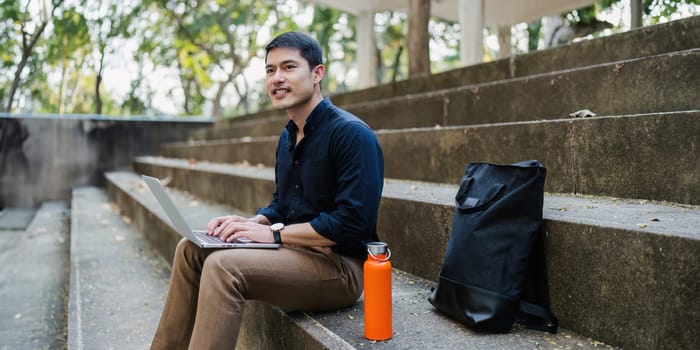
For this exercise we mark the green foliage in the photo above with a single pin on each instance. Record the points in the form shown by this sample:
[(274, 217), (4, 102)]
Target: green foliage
[(208, 44), (657, 9), (533, 34)]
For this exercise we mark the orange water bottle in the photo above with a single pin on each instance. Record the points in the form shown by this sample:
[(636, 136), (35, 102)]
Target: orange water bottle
[(377, 281)]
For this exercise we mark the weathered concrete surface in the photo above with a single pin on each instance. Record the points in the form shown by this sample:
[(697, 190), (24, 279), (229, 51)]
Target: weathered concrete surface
[(245, 188), (416, 324), (646, 85), (589, 270), (269, 124), (66, 152), (652, 84), (247, 150), (34, 281), (118, 283), (646, 41), (653, 40), (650, 156), (16, 219)]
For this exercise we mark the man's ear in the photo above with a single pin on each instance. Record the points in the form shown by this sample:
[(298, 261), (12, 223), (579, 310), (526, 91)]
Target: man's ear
[(318, 73)]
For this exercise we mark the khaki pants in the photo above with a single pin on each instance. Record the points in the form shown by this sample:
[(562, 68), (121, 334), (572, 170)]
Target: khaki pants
[(208, 289)]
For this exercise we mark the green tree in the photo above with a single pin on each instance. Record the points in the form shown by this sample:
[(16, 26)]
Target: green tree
[(214, 42), (29, 21)]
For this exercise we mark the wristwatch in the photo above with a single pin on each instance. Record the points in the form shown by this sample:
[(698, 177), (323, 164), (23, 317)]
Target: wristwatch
[(276, 228)]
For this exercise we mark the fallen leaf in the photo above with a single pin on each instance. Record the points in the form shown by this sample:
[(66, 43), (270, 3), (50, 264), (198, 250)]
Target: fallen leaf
[(653, 219), (642, 225), (584, 113)]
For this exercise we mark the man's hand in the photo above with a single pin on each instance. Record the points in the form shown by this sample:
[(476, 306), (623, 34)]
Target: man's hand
[(217, 224), (248, 229), (232, 227)]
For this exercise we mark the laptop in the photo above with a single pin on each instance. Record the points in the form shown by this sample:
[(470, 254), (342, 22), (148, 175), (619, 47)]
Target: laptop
[(198, 237)]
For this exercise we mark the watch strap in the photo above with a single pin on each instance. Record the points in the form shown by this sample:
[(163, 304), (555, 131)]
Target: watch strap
[(277, 236)]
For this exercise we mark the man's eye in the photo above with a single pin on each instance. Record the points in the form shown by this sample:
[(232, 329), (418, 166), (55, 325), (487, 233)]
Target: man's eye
[(290, 66)]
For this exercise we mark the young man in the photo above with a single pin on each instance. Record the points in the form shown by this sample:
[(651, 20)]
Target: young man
[(329, 175)]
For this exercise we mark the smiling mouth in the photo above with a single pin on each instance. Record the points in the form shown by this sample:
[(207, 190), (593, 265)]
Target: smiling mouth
[(279, 91)]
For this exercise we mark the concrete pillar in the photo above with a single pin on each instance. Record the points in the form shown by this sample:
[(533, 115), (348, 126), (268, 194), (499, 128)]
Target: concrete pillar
[(504, 49), (635, 13), (471, 21), (366, 47)]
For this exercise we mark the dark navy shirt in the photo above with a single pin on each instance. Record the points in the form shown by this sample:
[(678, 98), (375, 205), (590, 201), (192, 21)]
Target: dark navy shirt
[(333, 179)]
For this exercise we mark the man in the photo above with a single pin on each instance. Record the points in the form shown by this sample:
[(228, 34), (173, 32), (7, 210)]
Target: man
[(329, 176)]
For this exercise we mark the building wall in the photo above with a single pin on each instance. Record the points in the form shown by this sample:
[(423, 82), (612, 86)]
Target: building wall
[(62, 153)]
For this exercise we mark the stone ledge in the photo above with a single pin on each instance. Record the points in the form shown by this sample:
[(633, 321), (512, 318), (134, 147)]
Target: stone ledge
[(34, 278), (118, 283), (645, 156), (596, 237), (646, 41), (416, 324)]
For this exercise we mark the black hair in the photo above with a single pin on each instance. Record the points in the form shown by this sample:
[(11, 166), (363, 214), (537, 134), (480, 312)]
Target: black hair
[(308, 47)]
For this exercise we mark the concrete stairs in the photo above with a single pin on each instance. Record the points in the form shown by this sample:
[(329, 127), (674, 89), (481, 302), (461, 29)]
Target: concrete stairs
[(34, 278), (117, 282), (621, 210), (643, 42), (417, 326)]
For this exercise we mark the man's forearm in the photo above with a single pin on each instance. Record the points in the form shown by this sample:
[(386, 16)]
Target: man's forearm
[(304, 235)]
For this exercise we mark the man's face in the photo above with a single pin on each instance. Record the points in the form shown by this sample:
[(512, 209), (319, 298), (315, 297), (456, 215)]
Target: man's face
[(289, 80)]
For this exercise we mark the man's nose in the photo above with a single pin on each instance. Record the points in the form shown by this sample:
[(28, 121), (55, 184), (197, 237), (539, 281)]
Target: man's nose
[(278, 76)]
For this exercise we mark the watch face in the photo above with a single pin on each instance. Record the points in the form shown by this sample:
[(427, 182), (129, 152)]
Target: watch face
[(276, 227)]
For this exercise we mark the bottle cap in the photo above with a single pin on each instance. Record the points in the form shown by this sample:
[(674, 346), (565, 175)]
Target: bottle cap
[(377, 248)]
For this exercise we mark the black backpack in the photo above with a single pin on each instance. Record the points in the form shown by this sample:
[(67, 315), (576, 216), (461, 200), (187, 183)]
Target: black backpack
[(494, 270)]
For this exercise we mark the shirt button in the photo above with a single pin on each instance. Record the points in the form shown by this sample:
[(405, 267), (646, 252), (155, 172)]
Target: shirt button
[(296, 187), (296, 162), (292, 211)]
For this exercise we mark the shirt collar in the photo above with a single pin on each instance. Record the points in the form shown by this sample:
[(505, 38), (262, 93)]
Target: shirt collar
[(315, 118)]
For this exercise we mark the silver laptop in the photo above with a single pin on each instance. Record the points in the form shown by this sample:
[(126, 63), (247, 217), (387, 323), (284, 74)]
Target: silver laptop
[(198, 237)]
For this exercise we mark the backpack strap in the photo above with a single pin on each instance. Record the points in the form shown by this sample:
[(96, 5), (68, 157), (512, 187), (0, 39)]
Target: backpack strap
[(535, 312), (538, 318)]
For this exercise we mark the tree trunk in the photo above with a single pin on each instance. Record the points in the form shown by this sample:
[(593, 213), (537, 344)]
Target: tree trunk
[(98, 81), (418, 39), (217, 109), (98, 98)]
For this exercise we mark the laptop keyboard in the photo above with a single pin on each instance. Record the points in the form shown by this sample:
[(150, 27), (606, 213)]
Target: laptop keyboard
[(207, 238)]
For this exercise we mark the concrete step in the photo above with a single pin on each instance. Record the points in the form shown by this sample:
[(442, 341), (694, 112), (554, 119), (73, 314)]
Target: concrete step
[(652, 84), (646, 41), (647, 156), (416, 324), (609, 258), (34, 279), (662, 83), (117, 282)]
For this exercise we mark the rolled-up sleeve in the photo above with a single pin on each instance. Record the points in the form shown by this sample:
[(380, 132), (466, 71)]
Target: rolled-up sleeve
[(359, 180)]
